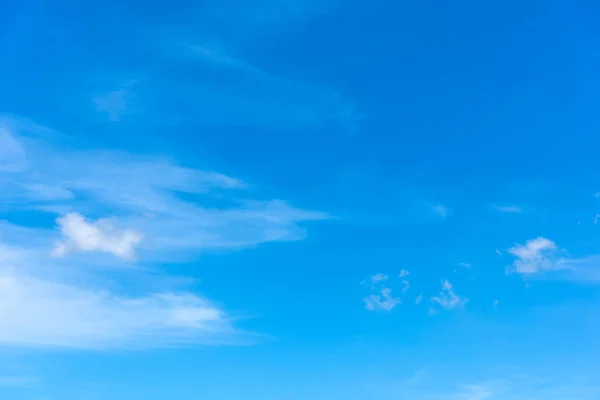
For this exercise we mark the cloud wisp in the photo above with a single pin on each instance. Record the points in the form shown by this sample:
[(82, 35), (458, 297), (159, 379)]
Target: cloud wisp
[(113, 209), (508, 209), (41, 312), (241, 94), (177, 210)]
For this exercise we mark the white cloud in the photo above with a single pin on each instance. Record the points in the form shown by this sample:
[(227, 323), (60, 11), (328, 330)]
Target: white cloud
[(155, 197), (464, 264), (43, 313), (534, 256), (419, 299), (384, 302), (508, 209), (63, 302), (378, 278), (447, 298), (596, 218), (404, 273), (406, 286), (495, 304), (46, 303), (102, 235)]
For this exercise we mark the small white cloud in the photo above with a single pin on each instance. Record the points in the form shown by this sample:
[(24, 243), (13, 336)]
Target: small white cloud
[(385, 302), (447, 298), (498, 252), (597, 194), (464, 264), (83, 236), (495, 304), (508, 209), (432, 311), (404, 273), (419, 299), (378, 278), (596, 218), (534, 256), (406, 286)]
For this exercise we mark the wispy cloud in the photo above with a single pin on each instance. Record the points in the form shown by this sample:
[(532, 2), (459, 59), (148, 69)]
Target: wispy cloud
[(475, 392), (440, 210), (12, 154), (511, 209), (405, 286), (146, 195), (404, 273), (447, 298), (37, 312), (464, 265), (178, 211), (419, 299), (240, 94)]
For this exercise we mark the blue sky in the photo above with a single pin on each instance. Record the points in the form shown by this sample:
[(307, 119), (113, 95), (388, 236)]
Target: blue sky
[(293, 199)]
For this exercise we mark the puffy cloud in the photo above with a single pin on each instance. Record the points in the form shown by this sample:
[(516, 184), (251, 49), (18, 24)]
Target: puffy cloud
[(534, 256), (102, 235)]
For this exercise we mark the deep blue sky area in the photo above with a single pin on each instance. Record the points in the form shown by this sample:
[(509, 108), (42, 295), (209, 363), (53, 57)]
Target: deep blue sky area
[(299, 199)]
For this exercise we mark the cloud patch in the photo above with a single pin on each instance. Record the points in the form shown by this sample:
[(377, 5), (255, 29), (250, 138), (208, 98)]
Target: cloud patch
[(102, 235), (447, 299), (382, 301), (535, 256)]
